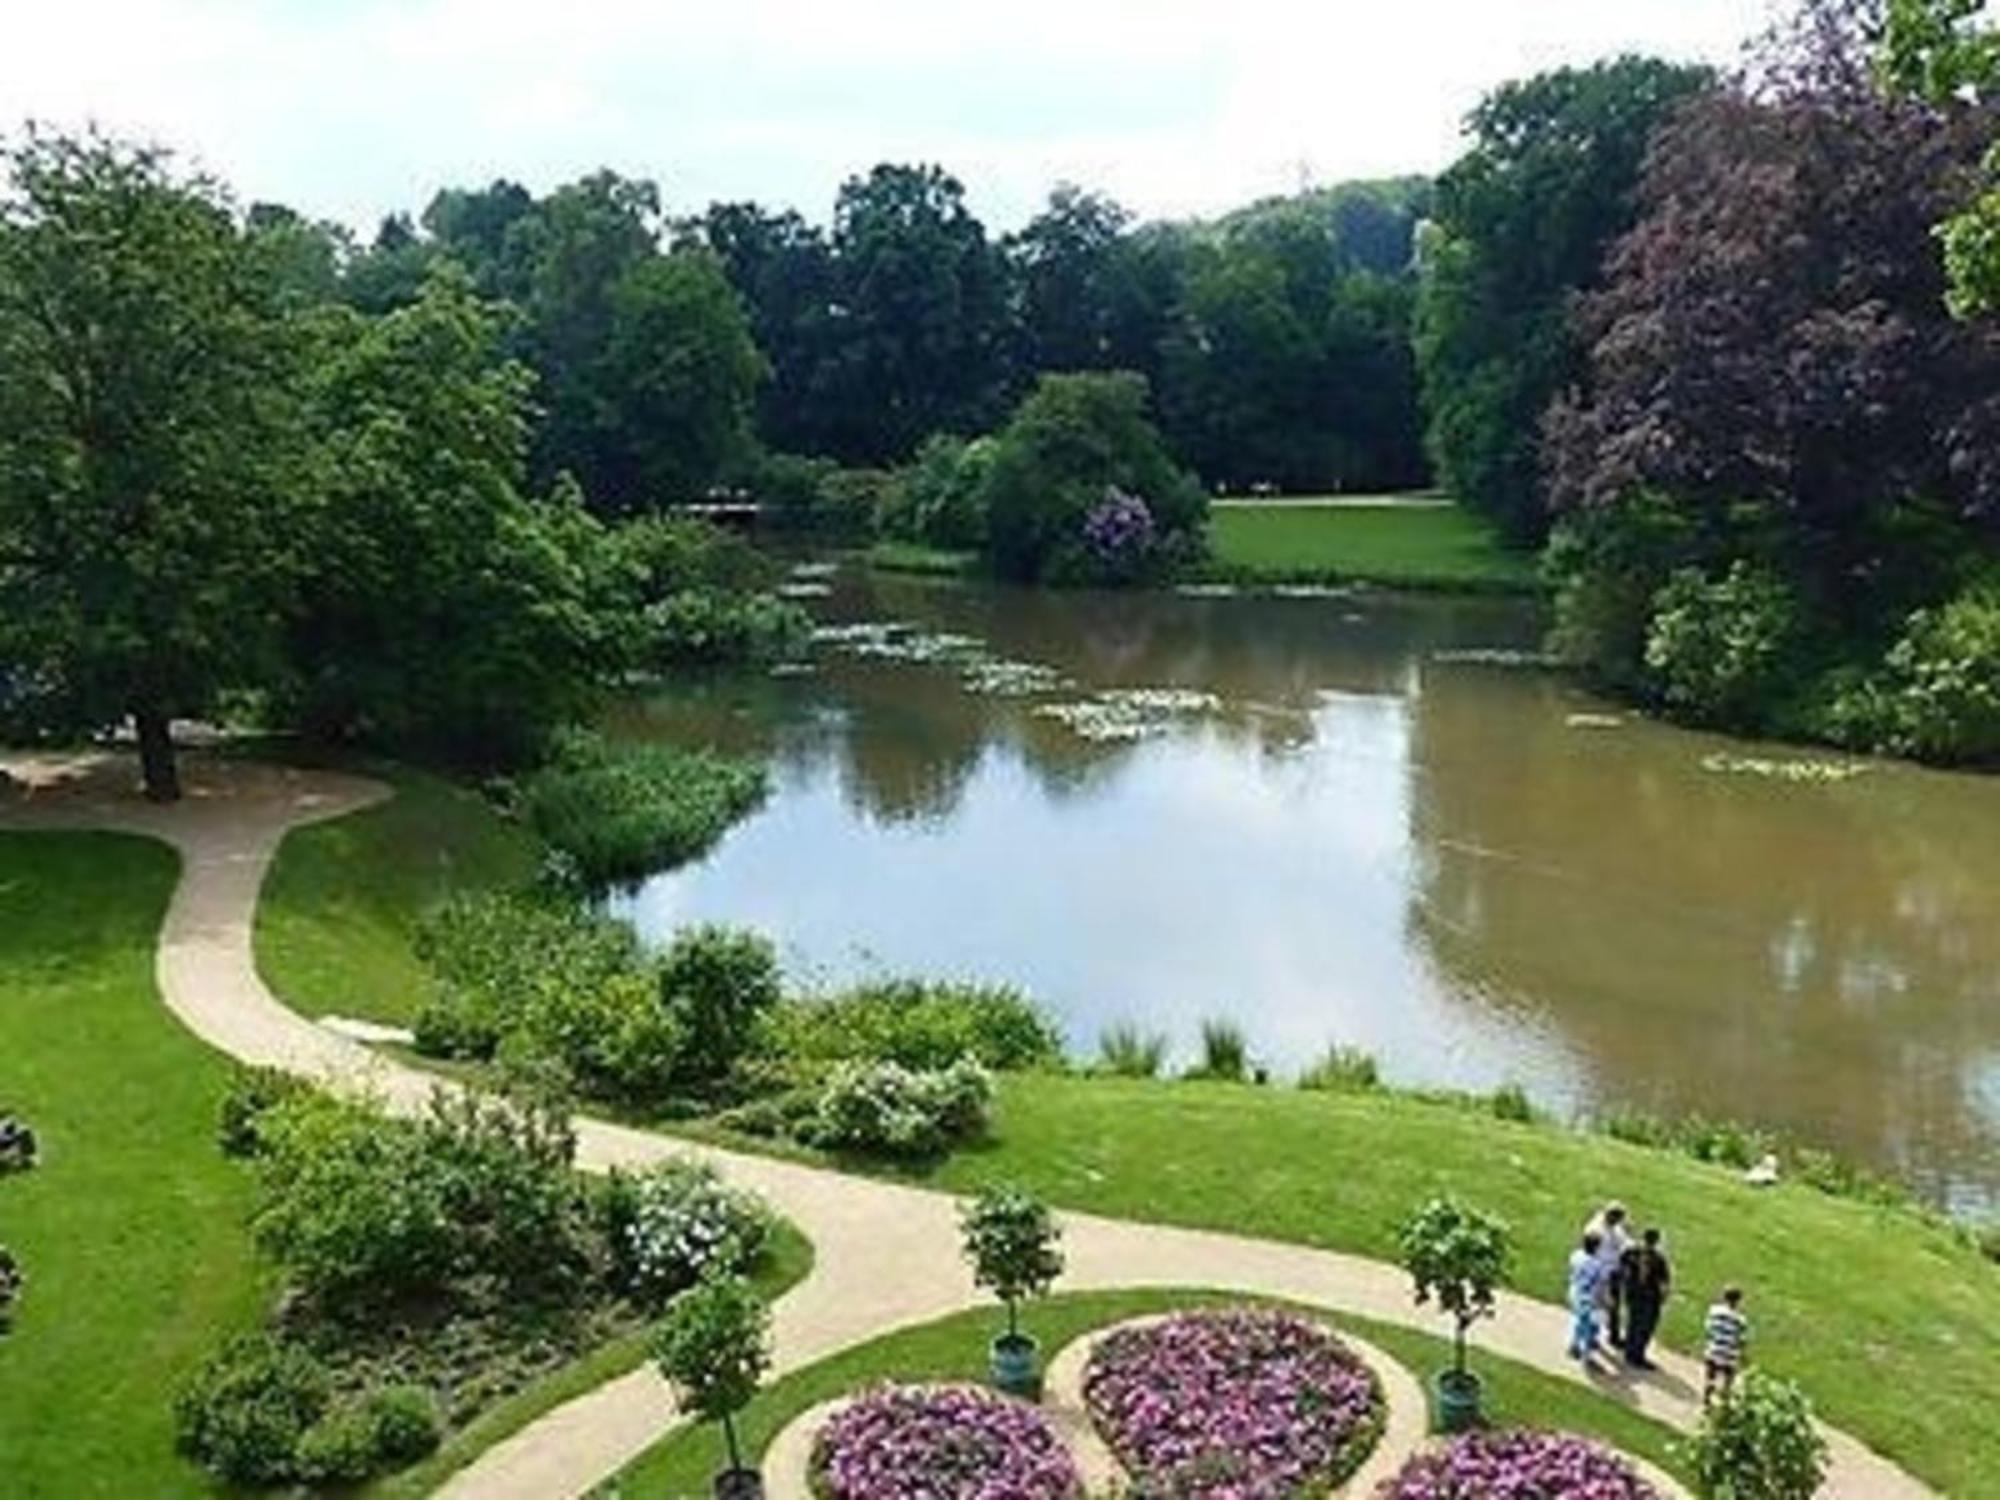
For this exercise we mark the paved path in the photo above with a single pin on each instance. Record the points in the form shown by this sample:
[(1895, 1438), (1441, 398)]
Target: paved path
[(886, 1256)]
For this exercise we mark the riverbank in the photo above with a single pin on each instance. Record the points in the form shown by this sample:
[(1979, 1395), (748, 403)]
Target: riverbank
[(1872, 1307), (1391, 544)]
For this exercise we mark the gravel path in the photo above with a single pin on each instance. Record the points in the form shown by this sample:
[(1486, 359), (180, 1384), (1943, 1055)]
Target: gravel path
[(886, 1256)]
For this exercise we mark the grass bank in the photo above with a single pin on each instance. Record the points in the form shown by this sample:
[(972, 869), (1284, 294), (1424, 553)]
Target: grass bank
[(1891, 1322), (954, 1349), (1398, 545), (914, 557), (132, 1230)]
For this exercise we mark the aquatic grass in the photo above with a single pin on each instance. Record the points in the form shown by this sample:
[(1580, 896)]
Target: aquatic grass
[(1225, 1054), (1344, 1068), (1127, 1052)]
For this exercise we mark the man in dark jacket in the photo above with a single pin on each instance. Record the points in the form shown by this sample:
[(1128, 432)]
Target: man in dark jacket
[(1646, 1278)]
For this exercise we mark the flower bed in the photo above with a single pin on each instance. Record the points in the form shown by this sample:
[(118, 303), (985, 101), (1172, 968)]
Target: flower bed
[(1517, 1466), (944, 1443), (1248, 1403)]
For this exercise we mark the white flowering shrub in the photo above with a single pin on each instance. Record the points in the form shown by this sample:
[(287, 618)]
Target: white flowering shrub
[(687, 1224), (897, 1111)]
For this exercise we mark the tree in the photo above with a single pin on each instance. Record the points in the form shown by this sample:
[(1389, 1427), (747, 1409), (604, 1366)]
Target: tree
[(1759, 1443), (446, 610), (1522, 224), (1014, 1245), (1457, 1257), (1075, 439), (714, 1346), (1065, 268), (155, 482)]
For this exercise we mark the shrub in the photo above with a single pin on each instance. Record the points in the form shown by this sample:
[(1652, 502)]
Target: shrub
[(705, 627), (1607, 563), (244, 1411), (1343, 1069), (338, 1449), (624, 810), (1937, 696), (714, 1346), (938, 498), (1118, 539), (687, 1224), (897, 1111), (1510, 1102), (1126, 1052), (1224, 1052), (1719, 650), (1457, 1257), (919, 1024), (1758, 1444), (250, 1094), (717, 984), (406, 1423), (1014, 1246)]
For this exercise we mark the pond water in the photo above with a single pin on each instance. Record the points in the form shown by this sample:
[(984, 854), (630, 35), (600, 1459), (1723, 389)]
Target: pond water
[(1369, 819)]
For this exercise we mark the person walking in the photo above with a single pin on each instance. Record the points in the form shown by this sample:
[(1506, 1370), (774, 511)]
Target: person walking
[(1613, 1240), (1645, 1277), (1727, 1348), (1586, 1272)]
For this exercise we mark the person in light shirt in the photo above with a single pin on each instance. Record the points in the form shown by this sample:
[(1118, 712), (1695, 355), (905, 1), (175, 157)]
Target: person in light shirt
[(1613, 1240), (1586, 1273)]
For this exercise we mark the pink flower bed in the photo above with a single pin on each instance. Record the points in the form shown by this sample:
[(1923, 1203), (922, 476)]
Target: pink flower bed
[(1246, 1404), (1517, 1466), (944, 1443)]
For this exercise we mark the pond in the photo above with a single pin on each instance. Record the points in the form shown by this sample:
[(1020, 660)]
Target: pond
[(1370, 819)]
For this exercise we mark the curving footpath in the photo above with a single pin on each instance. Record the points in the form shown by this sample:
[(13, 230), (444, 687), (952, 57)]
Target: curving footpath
[(886, 1256)]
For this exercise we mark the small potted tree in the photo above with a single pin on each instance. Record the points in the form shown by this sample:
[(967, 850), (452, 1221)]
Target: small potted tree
[(1011, 1241), (1759, 1443), (1456, 1256), (714, 1346)]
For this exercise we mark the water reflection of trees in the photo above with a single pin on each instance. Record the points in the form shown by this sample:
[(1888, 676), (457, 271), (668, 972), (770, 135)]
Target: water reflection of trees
[(1824, 957)]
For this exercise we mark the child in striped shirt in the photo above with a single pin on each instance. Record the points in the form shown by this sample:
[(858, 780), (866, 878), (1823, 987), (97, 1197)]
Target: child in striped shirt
[(1728, 1339)]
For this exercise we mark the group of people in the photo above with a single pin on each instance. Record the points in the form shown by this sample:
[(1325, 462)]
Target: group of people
[(1618, 1288), (19, 1150)]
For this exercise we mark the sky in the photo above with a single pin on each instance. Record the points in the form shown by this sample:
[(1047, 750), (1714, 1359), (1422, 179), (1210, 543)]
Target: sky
[(348, 109)]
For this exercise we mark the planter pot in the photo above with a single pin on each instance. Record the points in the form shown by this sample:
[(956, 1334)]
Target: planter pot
[(1457, 1400), (739, 1484), (1016, 1365)]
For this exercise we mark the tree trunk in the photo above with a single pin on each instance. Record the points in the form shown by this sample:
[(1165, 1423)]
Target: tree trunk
[(156, 756)]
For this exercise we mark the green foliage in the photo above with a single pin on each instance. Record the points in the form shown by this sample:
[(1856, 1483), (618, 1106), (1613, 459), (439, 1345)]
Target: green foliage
[(885, 1109), (938, 499), (1013, 1244), (1522, 223), (703, 627), (252, 1091), (714, 1346), (1937, 695), (1720, 650), (621, 810), (244, 1412), (683, 1224), (156, 479), (1124, 1051), (717, 984), (405, 1423), (1225, 1054), (1510, 1102), (1072, 440), (1457, 1257), (1343, 1068), (1759, 1444), (1608, 564), (919, 1024)]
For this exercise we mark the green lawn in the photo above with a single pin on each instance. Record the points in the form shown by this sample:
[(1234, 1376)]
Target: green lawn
[(914, 557), (132, 1230), (1403, 545), (954, 1349), (333, 929)]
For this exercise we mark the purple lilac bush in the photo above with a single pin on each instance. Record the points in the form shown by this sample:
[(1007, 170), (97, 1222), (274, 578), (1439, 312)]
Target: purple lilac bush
[(943, 1443), (1236, 1404), (1118, 534), (1517, 1466)]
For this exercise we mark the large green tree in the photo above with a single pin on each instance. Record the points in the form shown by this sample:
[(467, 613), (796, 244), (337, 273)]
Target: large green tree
[(1522, 223), (155, 479)]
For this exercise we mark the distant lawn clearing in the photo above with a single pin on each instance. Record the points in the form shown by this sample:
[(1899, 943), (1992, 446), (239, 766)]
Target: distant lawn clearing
[(132, 1230), (1394, 543)]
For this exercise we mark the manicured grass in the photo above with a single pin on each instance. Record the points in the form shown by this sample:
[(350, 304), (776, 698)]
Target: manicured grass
[(343, 897), (954, 1349), (132, 1230), (1890, 1322), (788, 1262), (913, 557), (1409, 546)]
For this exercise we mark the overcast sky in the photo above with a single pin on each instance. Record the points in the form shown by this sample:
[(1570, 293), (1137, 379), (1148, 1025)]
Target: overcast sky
[(350, 108)]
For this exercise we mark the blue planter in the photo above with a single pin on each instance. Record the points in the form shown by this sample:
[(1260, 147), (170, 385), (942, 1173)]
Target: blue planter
[(1016, 1365), (1457, 1400)]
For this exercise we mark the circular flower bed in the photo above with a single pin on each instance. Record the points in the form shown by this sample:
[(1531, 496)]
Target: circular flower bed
[(944, 1443), (1248, 1403), (1517, 1466)]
